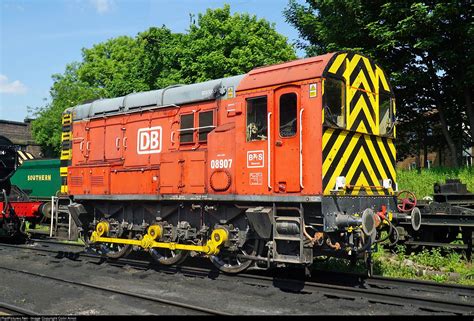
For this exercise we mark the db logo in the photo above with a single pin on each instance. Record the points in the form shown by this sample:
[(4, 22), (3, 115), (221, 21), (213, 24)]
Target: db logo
[(149, 140), (255, 158)]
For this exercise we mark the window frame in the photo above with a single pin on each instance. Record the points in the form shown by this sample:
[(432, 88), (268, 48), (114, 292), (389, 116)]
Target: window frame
[(211, 127), (391, 113), (279, 115), (247, 116), (196, 129), (191, 129), (344, 112)]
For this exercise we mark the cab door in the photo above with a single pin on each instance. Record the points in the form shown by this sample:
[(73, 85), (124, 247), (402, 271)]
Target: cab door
[(287, 140)]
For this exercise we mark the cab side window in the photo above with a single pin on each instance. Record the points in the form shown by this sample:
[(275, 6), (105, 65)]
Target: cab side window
[(186, 129), (385, 113), (288, 111), (256, 119), (206, 124), (335, 102)]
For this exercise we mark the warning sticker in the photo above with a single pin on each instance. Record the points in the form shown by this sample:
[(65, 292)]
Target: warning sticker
[(256, 179), (230, 92), (313, 90)]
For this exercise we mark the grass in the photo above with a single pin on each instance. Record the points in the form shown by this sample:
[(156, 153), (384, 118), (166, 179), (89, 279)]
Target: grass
[(439, 265), (422, 183)]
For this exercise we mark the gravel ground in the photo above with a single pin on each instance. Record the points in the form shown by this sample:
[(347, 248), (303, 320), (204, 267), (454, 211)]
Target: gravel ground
[(223, 294)]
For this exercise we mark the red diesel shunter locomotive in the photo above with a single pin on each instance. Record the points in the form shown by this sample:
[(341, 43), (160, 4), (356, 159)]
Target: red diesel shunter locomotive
[(277, 166)]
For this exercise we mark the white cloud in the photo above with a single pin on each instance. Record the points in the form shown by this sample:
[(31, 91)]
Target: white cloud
[(102, 6), (14, 87)]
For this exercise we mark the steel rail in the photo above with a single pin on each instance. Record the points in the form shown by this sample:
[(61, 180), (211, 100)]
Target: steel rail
[(381, 296), (117, 291), (7, 309), (378, 280)]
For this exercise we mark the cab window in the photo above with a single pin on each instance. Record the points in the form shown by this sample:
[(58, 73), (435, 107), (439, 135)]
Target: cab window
[(288, 111), (206, 124), (187, 129), (385, 113), (334, 106), (256, 119)]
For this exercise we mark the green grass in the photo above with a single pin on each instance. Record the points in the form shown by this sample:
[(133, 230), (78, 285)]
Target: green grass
[(422, 184), (439, 265)]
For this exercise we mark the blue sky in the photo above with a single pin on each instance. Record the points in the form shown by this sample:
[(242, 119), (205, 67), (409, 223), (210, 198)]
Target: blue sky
[(39, 37)]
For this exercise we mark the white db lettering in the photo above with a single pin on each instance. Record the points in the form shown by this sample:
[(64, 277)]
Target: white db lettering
[(155, 143), (149, 140)]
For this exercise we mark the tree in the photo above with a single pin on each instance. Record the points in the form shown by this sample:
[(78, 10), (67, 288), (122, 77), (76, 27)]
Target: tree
[(426, 45), (114, 66), (67, 90), (222, 45), (219, 45)]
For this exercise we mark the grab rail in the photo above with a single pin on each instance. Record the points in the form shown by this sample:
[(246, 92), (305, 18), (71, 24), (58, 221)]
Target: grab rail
[(269, 151), (301, 148)]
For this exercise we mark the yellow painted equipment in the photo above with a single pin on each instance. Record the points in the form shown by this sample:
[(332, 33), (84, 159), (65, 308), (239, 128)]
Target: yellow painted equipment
[(212, 246)]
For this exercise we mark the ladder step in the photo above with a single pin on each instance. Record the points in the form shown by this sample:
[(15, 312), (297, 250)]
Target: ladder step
[(62, 225)]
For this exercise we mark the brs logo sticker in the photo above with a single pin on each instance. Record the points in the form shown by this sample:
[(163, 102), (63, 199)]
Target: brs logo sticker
[(149, 140), (255, 158)]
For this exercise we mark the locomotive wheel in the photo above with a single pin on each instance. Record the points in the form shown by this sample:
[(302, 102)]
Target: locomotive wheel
[(110, 250), (116, 251), (168, 257), (228, 262)]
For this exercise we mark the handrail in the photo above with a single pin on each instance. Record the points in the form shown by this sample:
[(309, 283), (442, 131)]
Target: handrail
[(52, 217), (301, 148), (196, 128), (269, 150)]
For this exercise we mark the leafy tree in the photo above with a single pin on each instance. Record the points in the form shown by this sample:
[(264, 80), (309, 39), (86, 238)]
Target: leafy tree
[(114, 66), (162, 48), (426, 45), (218, 45), (68, 90), (222, 45)]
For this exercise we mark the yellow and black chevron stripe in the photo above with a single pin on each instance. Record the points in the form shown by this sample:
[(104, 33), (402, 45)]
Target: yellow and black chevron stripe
[(356, 151), (364, 81), (66, 150), (364, 160), (23, 156)]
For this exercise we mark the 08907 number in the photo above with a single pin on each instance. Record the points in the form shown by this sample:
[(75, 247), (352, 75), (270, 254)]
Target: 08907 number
[(221, 163)]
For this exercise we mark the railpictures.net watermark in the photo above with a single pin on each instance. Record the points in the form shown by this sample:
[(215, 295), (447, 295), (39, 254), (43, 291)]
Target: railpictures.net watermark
[(39, 318)]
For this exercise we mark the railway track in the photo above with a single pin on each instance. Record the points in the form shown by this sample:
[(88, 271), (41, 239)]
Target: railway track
[(7, 309), (425, 296), (185, 307)]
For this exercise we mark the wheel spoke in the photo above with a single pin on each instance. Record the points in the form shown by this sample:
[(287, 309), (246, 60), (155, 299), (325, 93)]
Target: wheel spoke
[(229, 262)]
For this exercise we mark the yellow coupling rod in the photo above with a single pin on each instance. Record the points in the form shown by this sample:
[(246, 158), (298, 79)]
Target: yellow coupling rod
[(218, 237)]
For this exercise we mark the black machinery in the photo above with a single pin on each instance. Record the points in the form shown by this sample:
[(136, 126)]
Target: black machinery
[(447, 218)]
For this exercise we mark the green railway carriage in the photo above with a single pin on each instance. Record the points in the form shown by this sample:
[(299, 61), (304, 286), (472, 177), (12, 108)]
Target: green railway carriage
[(39, 178)]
